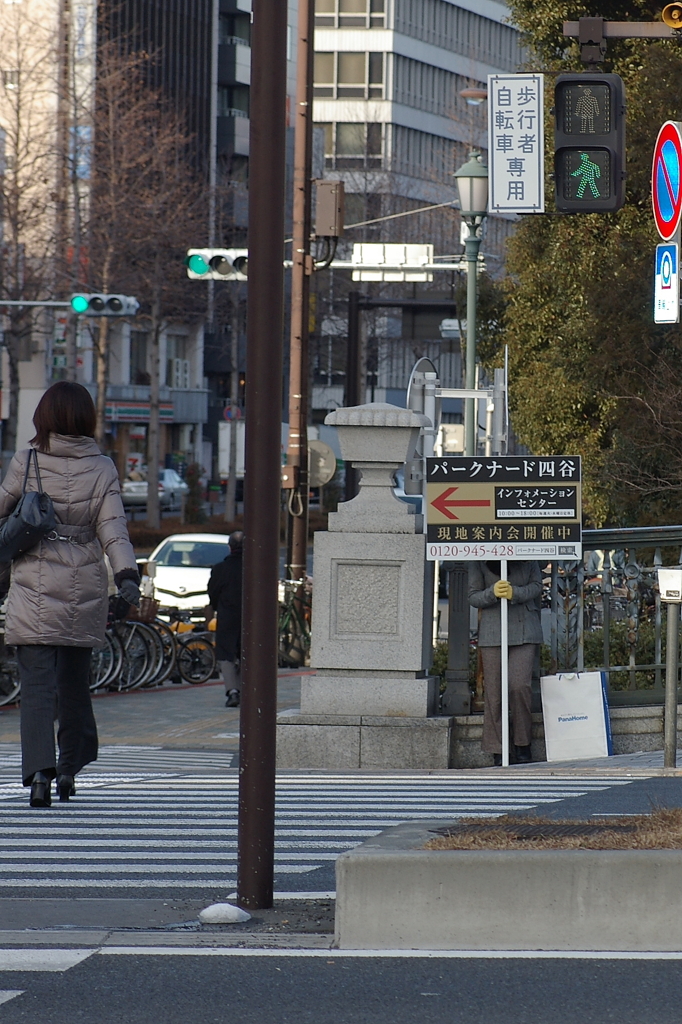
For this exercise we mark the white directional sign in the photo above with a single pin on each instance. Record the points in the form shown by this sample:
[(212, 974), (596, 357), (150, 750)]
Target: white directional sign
[(667, 287), (516, 143)]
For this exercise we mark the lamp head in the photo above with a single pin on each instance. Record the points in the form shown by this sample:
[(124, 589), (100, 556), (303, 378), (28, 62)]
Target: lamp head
[(472, 185)]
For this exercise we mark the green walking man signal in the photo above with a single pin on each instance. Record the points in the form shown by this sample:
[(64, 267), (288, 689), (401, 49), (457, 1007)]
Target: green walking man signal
[(588, 172), (589, 143)]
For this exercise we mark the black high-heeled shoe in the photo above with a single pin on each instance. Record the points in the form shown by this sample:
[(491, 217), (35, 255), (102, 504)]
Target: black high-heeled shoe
[(40, 791), (65, 787)]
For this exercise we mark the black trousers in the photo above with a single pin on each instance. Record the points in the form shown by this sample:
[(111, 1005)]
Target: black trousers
[(55, 684)]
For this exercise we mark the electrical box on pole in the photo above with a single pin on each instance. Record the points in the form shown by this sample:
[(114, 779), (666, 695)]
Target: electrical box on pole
[(589, 143), (329, 209)]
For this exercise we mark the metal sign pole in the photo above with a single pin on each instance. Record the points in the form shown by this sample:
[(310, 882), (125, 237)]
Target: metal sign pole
[(504, 666), (671, 673)]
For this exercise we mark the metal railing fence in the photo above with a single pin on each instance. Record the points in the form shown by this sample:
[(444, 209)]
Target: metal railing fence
[(606, 611)]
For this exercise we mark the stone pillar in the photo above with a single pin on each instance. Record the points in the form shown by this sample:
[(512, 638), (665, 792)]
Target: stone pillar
[(371, 701)]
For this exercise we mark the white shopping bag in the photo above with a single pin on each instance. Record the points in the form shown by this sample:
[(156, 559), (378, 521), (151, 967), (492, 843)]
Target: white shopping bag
[(576, 715)]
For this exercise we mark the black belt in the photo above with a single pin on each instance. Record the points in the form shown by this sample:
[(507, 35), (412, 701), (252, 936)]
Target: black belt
[(73, 534)]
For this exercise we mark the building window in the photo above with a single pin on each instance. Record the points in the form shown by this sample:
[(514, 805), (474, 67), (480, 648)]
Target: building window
[(350, 139), (352, 144), (10, 78), (235, 28), (353, 12), (138, 358), (324, 74), (233, 101), (375, 77), (177, 362), (350, 13), (328, 138), (373, 140), (349, 74)]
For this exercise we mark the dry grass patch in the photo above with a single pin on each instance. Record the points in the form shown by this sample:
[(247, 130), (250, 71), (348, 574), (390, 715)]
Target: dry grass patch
[(660, 830)]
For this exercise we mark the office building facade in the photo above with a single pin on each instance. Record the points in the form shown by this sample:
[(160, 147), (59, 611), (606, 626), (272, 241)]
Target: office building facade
[(389, 75)]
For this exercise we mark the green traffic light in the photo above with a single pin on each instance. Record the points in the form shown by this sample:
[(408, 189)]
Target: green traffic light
[(79, 303), (197, 264)]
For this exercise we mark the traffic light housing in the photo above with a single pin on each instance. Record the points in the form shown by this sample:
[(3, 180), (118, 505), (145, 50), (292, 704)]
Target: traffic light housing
[(217, 264), (589, 143), (99, 304)]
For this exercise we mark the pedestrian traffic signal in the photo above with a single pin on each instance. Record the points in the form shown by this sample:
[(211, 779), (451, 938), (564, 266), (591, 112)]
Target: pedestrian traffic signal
[(104, 305), (217, 264), (589, 143)]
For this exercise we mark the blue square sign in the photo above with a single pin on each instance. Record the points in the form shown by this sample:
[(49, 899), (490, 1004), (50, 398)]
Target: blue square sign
[(667, 287)]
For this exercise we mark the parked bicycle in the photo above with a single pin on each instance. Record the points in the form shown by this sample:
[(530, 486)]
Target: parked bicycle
[(145, 650), (295, 606)]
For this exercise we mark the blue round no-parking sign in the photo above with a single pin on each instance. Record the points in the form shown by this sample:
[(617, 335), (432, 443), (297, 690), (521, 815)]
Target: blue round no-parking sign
[(666, 179)]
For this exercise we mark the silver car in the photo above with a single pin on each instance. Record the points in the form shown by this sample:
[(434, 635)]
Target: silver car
[(171, 489)]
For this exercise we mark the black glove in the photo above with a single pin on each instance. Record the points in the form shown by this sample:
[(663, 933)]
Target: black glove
[(130, 592)]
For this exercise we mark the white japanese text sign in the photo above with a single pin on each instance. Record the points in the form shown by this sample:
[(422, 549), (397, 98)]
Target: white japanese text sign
[(516, 143)]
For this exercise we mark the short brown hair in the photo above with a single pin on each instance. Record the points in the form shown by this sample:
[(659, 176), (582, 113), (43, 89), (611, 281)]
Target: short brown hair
[(65, 408)]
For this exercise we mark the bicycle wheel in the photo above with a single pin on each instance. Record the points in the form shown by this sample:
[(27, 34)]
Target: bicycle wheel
[(167, 638), (157, 653), (105, 662), (196, 659), (294, 640), (137, 656), (10, 685)]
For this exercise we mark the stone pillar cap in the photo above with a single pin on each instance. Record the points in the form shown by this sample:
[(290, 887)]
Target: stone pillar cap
[(376, 414)]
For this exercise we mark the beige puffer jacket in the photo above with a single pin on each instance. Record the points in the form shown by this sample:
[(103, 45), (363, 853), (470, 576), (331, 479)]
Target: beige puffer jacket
[(58, 593)]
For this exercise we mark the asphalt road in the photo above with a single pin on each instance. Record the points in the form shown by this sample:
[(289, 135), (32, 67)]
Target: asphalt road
[(328, 988), (146, 810)]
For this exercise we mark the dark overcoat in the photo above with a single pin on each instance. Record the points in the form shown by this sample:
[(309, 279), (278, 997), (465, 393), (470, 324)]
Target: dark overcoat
[(225, 595)]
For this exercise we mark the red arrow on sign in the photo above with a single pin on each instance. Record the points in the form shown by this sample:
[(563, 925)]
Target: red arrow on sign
[(443, 503)]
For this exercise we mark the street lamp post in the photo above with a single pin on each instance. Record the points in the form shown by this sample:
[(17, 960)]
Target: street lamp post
[(472, 185)]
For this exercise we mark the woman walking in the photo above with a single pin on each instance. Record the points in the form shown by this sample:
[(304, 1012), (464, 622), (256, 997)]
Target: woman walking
[(522, 589), (57, 604)]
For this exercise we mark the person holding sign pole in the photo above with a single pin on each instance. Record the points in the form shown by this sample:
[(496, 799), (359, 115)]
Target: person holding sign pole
[(522, 590)]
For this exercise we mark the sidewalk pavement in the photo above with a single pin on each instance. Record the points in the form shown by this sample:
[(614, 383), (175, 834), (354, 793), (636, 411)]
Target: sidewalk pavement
[(185, 717), (181, 717)]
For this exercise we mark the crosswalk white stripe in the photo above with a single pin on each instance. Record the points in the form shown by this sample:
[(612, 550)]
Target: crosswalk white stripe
[(10, 993), (42, 959), (68, 833), (217, 873), (311, 811), (126, 831), (97, 843), (200, 797), (302, 817), (126, 883)]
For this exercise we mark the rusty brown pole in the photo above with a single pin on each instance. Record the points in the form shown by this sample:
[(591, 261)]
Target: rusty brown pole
[(296, 474), (265, 326)]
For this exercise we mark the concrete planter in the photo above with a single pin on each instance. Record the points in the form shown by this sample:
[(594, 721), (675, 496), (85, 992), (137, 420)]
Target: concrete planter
[(393, 894)]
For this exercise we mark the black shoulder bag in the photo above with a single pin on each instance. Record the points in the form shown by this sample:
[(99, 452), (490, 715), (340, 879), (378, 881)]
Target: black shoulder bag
[(32, 519)]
